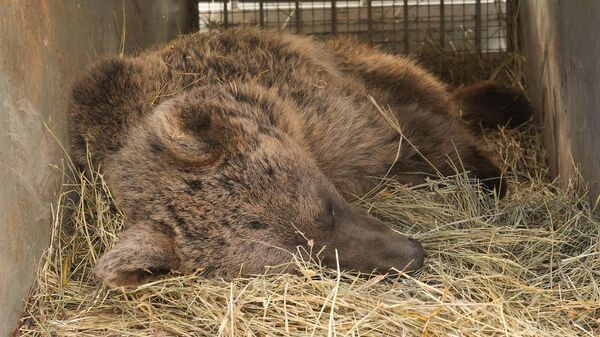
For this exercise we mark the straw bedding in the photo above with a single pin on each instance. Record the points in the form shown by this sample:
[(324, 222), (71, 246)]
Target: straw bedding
[(527, 265)]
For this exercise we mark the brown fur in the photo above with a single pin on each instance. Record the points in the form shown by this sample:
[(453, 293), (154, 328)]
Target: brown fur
[(490, 104), (222, 148)]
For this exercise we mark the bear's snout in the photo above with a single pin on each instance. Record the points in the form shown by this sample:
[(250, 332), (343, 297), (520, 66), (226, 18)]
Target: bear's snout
[(366, 244)]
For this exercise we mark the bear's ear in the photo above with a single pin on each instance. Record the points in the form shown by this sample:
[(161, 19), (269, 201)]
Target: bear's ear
[(189, 131), (143, 253)]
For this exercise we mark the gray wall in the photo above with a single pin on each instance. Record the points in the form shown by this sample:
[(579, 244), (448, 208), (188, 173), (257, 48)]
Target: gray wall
[(561, 44), (43, 46)]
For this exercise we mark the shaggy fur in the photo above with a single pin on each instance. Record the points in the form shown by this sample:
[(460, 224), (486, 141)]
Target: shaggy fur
[(488, 104), (227, 151)]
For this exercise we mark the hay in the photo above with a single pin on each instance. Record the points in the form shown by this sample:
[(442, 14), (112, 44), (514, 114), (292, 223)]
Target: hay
[(458, 67), (527, 265)]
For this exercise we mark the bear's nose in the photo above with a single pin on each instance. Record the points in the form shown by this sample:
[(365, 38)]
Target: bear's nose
[(417, 254)]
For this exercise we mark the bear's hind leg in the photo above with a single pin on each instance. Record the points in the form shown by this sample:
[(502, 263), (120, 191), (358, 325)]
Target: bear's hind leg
[(491, 104)]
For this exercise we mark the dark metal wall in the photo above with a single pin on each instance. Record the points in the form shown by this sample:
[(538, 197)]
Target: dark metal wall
[(44, 45), (561, 45)]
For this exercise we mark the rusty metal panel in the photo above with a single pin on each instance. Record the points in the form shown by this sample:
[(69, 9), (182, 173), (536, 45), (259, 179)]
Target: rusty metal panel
[(44, 45), (559, 39)]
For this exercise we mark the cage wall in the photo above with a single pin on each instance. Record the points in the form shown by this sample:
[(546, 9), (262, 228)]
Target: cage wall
[(399, 26), (44, 47), (559, 40)]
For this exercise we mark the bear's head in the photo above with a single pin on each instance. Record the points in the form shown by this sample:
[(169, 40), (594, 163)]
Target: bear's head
[(218, 180)]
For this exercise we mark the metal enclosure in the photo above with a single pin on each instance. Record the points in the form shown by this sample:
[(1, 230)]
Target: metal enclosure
[(560, 42), (44, 46), (399, 26)]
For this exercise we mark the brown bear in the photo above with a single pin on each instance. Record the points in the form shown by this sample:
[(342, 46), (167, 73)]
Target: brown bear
[(226, 151)]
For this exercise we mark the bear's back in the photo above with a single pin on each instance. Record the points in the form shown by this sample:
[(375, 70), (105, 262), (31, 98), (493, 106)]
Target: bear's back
[(117, 92)]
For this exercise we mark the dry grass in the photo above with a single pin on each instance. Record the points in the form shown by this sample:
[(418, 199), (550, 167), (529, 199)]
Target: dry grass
[(457, 67), (527, 265)]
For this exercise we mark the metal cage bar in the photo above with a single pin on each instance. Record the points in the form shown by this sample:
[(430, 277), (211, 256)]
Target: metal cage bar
[(481, 26), (333, 17), (478, 26)]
